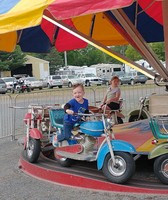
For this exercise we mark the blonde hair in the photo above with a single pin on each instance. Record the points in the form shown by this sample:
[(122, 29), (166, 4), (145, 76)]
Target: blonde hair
[(78, 85)]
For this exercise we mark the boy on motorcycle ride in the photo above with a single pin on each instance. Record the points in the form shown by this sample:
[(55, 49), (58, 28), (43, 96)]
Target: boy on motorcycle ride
[(74, 106)]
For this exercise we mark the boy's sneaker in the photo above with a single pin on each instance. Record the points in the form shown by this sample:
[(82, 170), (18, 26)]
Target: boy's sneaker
[(54, 140)]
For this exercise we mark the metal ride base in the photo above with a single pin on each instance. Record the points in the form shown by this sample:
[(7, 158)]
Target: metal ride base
[(86, 175)]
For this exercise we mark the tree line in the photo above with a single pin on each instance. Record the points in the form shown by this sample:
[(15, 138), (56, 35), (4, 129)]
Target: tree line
[(88, 56)]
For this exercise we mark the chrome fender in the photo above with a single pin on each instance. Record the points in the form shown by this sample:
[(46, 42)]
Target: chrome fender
[(158, 150), (35, 133), (117, 145)]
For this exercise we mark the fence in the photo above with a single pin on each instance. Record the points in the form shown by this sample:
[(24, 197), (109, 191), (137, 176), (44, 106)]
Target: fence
[(11, 117)]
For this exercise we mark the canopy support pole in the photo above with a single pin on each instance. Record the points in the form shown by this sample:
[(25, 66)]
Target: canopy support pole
[(101, 47), (165, 25), (140, 43)]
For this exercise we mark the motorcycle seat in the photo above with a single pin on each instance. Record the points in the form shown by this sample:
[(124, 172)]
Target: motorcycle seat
[(56, 117), (156, 129)]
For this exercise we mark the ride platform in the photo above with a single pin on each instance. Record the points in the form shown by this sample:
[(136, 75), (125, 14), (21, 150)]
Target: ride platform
[(85, 174)]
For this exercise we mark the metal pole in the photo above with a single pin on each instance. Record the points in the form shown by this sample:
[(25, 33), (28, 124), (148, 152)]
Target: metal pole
[(65, 58), (165, 25)]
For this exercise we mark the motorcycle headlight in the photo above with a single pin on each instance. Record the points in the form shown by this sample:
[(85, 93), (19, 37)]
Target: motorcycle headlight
[(109, 123)]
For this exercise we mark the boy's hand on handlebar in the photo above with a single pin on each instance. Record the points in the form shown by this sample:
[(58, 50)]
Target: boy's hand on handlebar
[(69, 112)]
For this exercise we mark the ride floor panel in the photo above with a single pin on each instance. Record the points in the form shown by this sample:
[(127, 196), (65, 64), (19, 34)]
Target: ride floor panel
[(137, 133), (85, 175)]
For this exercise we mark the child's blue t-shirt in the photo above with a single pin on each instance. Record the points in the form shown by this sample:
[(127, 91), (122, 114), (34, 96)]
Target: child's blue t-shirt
[(77, 108)]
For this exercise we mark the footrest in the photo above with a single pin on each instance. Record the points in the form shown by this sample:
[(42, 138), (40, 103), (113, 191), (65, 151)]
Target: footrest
[(87, 157)]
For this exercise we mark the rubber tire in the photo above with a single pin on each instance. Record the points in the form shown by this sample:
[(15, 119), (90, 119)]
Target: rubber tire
[(120, 120), (87, 83), (123, 176), (49, 86), (33, 151), (60, 86), (159, 164), (28, 89), (65, 162), (134, 118), (69, 84), (132, 82)]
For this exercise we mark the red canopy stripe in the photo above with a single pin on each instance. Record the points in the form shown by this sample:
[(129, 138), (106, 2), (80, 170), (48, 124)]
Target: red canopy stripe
[(153, 9), (65, 9)]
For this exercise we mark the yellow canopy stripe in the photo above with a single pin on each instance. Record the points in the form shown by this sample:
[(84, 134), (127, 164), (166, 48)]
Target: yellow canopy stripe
[(23, 15)]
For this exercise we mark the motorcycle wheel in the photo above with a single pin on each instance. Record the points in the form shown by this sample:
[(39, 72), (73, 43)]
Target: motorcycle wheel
[(120, 121), (65, 162), (33, 150), (28, 90), (120, 172), (12, 91), (134, 118), (161, 168)]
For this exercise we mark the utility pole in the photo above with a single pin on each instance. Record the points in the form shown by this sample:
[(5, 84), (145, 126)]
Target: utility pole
[(65, 58)]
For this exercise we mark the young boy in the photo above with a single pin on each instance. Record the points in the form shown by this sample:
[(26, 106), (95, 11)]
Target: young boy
[(76, 105)]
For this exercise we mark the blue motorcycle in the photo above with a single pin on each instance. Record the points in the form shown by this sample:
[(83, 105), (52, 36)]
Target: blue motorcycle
[(94, 140)]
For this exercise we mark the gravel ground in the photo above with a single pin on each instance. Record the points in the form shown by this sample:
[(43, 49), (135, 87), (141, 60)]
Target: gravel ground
[(15, 185)]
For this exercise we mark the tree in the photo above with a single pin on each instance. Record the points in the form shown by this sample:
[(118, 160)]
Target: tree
[(9, 61), (90, 56), (132, 54), (158, 48)]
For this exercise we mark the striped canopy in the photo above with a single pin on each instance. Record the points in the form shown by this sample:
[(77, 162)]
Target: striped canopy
[(22, 22)]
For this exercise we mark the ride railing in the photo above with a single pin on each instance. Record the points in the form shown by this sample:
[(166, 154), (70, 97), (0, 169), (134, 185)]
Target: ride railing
[(11, 118), (6, 116)]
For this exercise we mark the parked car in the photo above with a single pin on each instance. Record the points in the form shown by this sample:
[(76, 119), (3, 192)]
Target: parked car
[(10, 81), (132, 78), (126, 78), (90, 79), (106, 80), (53, 81), (69, 80), (3, 87), (140, 78), (33, 83)]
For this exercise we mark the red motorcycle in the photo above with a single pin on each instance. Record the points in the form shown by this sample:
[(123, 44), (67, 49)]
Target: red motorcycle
[(20, 87)]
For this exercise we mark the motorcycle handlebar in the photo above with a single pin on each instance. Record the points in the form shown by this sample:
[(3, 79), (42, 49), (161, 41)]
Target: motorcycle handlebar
[(88, 114), (160, 85)]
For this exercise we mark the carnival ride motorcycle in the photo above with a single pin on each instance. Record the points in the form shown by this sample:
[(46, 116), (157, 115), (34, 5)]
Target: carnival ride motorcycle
[(95, 141), (160, 151), (159, 126), (37, 133), (116, 115), (142, 112)]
